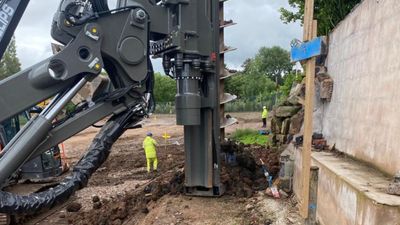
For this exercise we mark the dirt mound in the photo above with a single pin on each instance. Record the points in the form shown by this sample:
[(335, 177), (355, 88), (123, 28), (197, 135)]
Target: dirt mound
[(131, 205), (125, 165), (244, 174), (241, 179)]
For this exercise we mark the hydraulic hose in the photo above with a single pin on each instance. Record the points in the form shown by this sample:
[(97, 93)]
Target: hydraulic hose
[(97, 154), (100, 6)]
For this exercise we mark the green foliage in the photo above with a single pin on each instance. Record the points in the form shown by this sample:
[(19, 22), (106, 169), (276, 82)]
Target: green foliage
[(164, 89), (256, 85), (328, 12), (253, 105), (249, 85), (9, 64), (253, 91), (165, 108), (272, 62), (70, 108), (249, 136), (289, 80)]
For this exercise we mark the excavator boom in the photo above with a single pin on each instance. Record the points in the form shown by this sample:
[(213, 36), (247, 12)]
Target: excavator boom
[(11, 12), (184, 33)]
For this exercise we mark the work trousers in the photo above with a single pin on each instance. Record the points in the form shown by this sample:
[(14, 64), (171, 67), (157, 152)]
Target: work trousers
[(264, 120), (150, 162)]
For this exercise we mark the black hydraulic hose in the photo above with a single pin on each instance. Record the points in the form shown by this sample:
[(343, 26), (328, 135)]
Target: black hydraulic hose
[(100, 6), (97, 154)]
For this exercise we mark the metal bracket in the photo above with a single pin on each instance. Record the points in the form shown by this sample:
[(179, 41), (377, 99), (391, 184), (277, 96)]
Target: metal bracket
[(306, 50), (81, 56)]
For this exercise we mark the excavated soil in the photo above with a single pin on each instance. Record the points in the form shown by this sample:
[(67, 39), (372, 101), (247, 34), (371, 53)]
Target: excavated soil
[(246, 176), (121, 191), (241, 180)]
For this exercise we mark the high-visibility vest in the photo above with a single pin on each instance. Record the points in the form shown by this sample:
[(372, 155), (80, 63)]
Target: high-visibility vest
[(264, 114), (149, 145)]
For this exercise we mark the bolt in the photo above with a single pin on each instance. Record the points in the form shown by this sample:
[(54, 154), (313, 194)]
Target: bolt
[(140, 15), (67, 23), (97, 66)]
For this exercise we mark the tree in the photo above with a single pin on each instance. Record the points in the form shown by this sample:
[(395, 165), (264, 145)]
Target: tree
[(10, 64), (273, 62), (164, 89), (290, 79), (250, 86), (328, 12)]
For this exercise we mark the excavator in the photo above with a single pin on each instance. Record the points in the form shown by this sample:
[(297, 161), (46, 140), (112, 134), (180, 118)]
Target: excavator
[(120, 41)]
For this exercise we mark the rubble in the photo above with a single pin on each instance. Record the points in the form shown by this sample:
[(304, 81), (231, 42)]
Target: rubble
[(287, 118), (74, 207), (296, 122), (296, 94), (325, 86), (247, 176), (394, 187), (95, 199), (286, 111)]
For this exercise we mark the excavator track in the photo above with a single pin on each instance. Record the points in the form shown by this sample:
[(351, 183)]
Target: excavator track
[(4, 219)]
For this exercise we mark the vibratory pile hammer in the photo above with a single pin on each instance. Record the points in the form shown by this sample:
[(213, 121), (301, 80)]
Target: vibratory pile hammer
[(120, 41)]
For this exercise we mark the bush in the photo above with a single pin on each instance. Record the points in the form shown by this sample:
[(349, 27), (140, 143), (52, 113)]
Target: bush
[(164, 89), (254, 104), (249, 136), (165, 108)]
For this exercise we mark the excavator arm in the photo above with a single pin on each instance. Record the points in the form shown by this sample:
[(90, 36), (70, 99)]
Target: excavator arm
[(120, 41), (11, 12)]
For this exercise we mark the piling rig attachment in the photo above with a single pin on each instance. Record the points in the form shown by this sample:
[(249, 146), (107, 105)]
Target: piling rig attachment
[(184, 33)]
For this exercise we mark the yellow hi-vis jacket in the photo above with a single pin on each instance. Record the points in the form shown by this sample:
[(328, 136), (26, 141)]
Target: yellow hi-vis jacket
[(264, 114), (149, 145)]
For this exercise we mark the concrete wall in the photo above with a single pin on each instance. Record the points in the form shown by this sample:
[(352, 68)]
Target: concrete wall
[(363, 118), (349, 193)]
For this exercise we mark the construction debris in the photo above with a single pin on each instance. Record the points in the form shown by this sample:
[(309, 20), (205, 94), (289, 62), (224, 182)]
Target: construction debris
[(319, 143), (394, 187), (287, 118), (241, 180), (120, 192), (325, 85), (286, 111), (74, 207)]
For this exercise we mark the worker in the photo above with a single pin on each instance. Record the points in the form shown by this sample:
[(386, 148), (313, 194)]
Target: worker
[(149, 145), (264, 116)]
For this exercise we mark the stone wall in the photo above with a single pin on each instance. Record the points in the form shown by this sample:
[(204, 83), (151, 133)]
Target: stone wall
[(363, 117)]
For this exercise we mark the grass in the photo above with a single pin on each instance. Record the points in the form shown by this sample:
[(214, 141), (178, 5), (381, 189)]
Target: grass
[(249, 136)]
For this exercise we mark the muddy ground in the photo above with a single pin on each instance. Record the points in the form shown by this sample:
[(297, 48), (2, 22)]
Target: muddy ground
[(121, 191)]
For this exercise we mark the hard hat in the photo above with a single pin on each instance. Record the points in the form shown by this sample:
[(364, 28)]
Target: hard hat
[(264, 107), (149, 134)]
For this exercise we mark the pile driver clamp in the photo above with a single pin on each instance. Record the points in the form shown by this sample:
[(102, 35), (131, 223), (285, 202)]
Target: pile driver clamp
[(184, 33)]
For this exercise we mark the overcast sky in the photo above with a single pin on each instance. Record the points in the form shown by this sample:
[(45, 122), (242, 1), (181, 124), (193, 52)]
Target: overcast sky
[(258, 25)]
